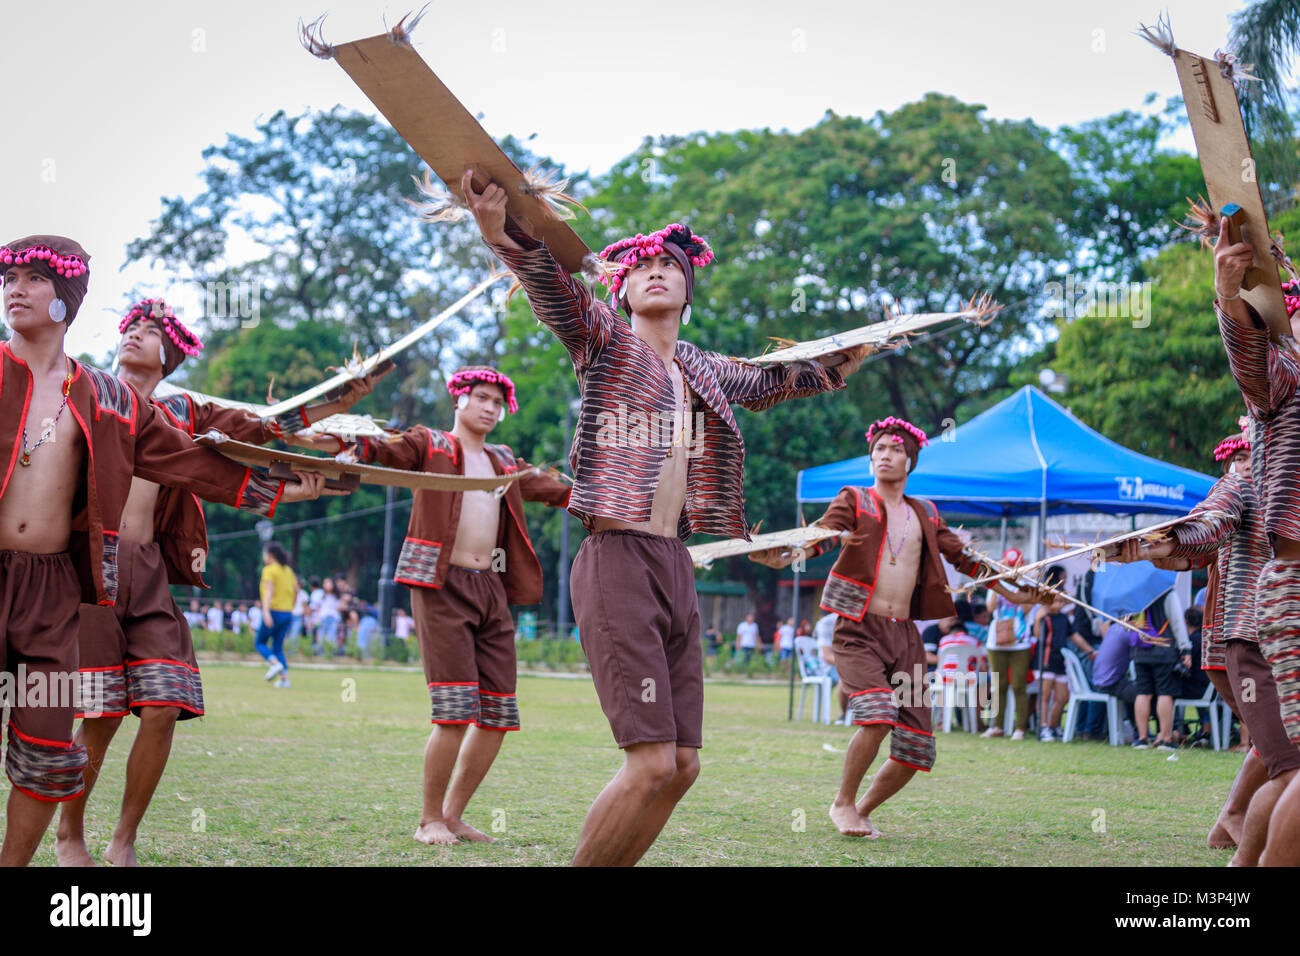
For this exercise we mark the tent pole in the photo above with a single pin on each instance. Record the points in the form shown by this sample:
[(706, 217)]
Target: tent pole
[(794, 611), (1040, 547), (1003, 548)]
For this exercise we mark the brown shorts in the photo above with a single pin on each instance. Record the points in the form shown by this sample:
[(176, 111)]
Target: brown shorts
[(39, 598), (138, 653), (639, 622), (467, 643), (881, 663), (1255, 691)]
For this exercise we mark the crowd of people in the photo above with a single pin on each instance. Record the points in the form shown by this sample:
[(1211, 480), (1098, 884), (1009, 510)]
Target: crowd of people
[(326, 613)]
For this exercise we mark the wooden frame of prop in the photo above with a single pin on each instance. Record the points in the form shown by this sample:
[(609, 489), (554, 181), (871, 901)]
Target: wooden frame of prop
[(1209, 86), (346, 426), (445, 134), (348, 476)]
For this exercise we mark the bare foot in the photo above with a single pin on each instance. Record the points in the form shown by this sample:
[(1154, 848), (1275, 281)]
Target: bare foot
[(71, 851), (435, 831), (848, 822), (1220, 838), (462, 829), (874, 834), (120, 854)]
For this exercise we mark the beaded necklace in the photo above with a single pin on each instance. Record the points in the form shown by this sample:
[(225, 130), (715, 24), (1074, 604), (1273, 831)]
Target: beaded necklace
[(26, 458)]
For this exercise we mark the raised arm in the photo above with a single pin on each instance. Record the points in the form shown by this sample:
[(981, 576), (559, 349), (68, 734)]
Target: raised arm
[(543, 487), (168, 456), (406, 450), (758, 387), (564, 305), (1267, 375)]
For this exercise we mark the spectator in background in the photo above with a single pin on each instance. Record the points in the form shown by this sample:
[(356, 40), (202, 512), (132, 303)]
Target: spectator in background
[(1154, 665), (747, 636), (1110, 667), (711, 641), (328, 617), (255, 616), (239, 619), (933, 636), (1053, 629), (194, 616), (366, 626), (215, 618), (299, 614), (1010, 643), (313, 610), (278, 587), (824, 632), (785, 639), (1193, 680), (403, 624)]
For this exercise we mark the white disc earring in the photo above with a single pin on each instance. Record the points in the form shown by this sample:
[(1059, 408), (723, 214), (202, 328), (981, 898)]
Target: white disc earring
[(686, 314), (162, 356), (58, 310), (462, 401), (501, 415)]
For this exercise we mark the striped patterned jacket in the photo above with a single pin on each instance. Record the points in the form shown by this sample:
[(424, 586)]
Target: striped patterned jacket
[(618, 453), (1269, 379), (124, 435), (1236, 539), (852, 581), (435, 515)]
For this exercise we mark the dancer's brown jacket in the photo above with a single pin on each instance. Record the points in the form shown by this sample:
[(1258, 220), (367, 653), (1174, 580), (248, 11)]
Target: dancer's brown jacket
[(435, 515)]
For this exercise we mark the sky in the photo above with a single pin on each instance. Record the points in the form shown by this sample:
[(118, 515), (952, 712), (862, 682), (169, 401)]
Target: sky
[(133, 92)]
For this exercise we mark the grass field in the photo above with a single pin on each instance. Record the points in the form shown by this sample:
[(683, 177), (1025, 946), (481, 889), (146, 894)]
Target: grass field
[(306, 777)]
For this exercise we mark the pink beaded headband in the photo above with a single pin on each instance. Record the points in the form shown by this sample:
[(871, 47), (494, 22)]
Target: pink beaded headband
[(1230, 446), (157, 309), (68, 266), (465, 379), (891, 422), (1291, 295), (624, 253)]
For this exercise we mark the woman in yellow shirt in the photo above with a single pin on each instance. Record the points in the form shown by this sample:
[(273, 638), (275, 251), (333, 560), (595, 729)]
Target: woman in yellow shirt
[(279, 590)]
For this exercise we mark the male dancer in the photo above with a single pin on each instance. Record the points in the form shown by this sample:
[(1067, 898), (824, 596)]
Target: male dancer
[(875, 639), (139, 651), (647, 473), (1229, 528), (466, 557), (70, 438), (1269, 378)]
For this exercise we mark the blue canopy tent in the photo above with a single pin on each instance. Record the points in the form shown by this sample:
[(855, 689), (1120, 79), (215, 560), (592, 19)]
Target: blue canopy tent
[(1027, 456)]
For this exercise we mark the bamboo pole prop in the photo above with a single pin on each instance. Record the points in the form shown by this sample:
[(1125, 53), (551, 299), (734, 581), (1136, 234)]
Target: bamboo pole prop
[(356, 367), (1051, 589), (1100, 545)]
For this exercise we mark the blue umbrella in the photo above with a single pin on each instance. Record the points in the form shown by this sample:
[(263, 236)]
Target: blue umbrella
[(1123, 589)]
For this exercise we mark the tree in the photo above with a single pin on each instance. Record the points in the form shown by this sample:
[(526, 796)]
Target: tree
[(1266, 37)]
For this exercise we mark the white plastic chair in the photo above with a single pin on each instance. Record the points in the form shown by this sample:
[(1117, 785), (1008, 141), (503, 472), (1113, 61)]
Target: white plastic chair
[(956, 684), (1080, 692), (1208, 701), (812, 673)]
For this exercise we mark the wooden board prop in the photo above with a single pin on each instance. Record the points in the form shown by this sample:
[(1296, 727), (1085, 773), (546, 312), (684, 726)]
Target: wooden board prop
[(355, 368), (282, 464), (880, 335), (704, 555), (1209, 86), (445, 134)]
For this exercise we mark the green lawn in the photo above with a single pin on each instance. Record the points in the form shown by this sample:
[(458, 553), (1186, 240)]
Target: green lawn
[(305, 777)]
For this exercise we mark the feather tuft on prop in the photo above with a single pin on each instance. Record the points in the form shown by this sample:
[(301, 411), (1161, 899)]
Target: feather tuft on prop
[(550, 189), (270, 391), (312, 37), (1233, 70), (400, 35), (1278, 252), (596, 269), (1160, 36), (1202, 221), (355, 366), (440, 204), (984, 307)]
